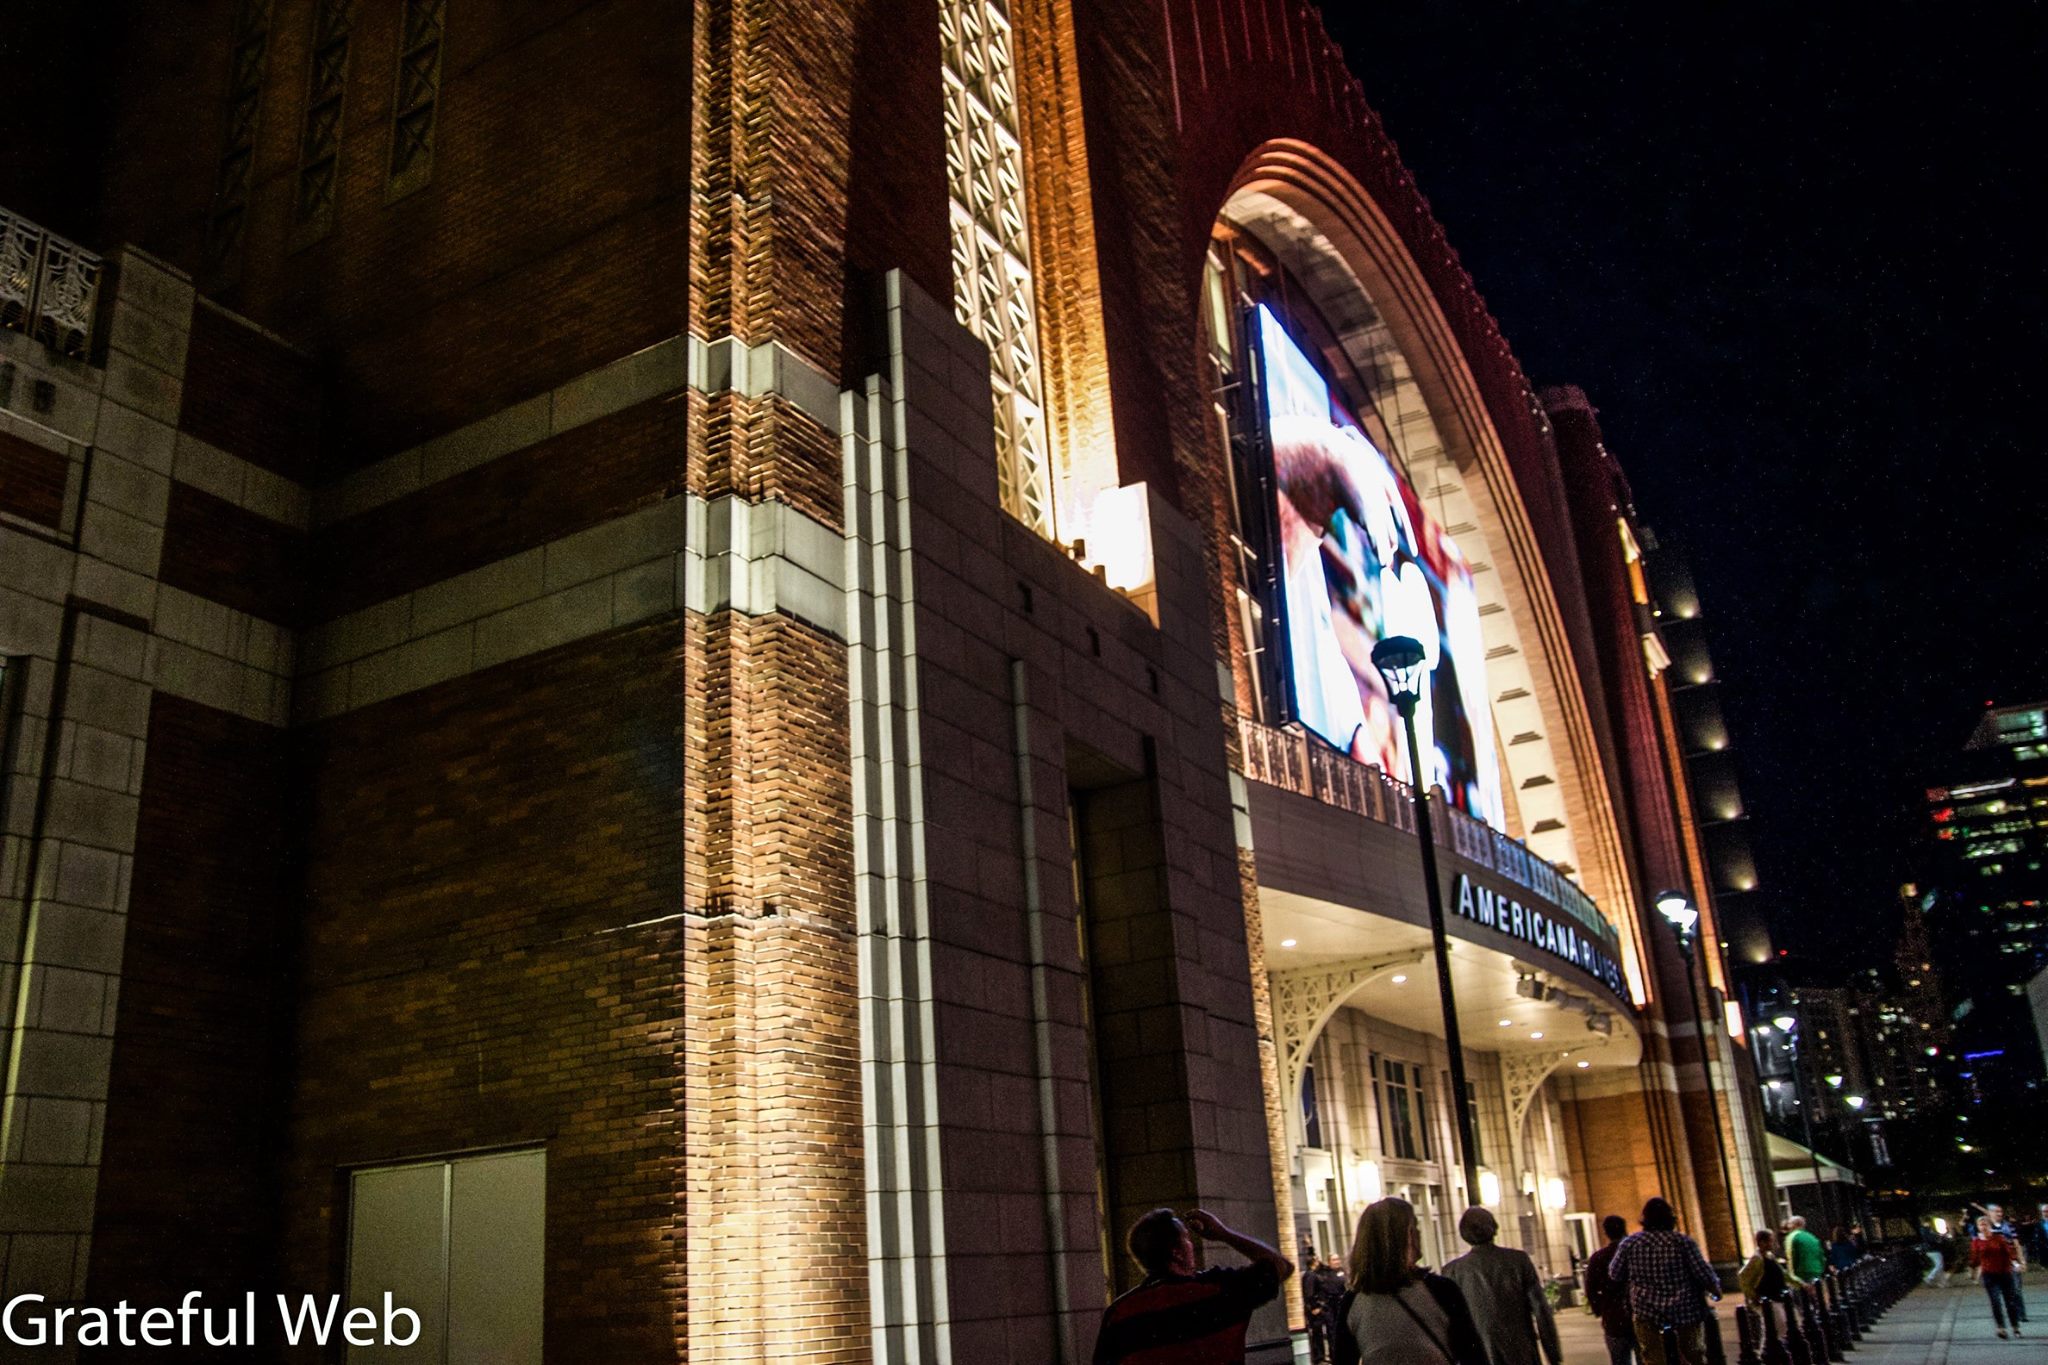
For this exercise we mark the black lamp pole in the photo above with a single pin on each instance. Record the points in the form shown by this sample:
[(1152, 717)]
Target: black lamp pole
[(1399, 659), (1820, 1190)]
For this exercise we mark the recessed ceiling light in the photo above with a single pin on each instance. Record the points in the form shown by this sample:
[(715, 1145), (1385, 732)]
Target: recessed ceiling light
[(1507, 1023), (1584, 1065), (1287, 943), (1537, 1034), (1400, 978)]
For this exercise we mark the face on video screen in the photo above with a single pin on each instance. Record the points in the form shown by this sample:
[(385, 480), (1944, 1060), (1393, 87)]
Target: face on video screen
[(1362, 560)]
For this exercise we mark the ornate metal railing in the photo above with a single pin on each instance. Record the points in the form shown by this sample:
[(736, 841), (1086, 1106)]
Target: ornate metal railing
[(1294, 762), (49, 287)]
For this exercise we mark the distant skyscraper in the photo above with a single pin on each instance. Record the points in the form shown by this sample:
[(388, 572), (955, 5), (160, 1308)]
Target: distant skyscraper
[(1990, 828)]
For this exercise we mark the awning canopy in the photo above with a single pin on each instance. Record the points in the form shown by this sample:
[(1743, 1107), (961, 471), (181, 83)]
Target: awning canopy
[(1792, 1164)]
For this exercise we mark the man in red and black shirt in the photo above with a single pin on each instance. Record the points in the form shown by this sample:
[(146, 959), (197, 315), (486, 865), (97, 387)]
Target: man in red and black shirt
[(1181, 1316)]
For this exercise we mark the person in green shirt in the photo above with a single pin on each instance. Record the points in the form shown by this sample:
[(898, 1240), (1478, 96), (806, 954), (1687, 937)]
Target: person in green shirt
[(1808, 1257)]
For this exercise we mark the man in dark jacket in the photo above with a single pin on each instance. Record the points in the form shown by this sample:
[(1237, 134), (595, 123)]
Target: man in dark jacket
[(1322, 1289), (1504, 1293), (1608, 1297)]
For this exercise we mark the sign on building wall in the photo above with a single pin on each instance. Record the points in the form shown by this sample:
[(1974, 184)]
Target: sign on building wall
[(1554, 934)]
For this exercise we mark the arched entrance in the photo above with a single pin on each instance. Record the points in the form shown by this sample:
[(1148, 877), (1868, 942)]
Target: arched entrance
[(1310, 304)]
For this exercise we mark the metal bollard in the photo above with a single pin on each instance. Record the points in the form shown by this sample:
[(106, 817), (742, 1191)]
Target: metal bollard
[(1817, 1343), (1774, 1352), (1840, 1335)]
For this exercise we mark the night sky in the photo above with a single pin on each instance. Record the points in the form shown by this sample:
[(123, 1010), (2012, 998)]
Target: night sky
[(1795, 259)]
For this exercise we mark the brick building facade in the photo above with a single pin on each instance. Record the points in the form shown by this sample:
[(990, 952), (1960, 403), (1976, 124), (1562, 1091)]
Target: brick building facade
[(629, 707)]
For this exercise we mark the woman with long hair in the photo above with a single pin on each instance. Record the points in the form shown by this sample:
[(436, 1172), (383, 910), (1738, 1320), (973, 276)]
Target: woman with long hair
[(1397, 1313)]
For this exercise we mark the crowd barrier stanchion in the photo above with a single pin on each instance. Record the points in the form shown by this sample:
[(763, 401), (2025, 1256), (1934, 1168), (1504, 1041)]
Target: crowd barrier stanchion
[(1774, 1345), (1840, 1330), (1817, 1344)]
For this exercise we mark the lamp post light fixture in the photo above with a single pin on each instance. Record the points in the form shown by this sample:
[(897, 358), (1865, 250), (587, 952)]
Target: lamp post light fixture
[(1402, 662), (1790, 1028), (1683, 916)]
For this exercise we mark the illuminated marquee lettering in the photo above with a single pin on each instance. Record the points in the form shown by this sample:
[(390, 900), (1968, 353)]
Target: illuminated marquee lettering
[(1504, 914)]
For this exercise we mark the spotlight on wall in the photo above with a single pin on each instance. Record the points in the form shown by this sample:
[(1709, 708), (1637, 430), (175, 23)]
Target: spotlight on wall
[(1489, 1188)]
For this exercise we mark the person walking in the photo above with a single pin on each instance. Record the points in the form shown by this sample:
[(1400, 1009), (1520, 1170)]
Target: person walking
[(1181, 1314), (1997, 1263), (1397, 1313), (2034, 1238), (1803, 1251), (1669, 1282), (1504, 1293), (1763, 1276), (1608, 1299)]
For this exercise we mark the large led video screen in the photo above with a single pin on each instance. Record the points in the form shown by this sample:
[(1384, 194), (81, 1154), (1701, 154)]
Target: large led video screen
[(1361, 560)]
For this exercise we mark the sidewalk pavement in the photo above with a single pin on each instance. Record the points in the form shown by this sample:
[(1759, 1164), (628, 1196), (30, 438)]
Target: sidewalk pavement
[(1946, 1326)]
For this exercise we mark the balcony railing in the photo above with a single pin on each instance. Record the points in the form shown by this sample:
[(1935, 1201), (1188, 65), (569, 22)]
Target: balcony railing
[(49, 287), (1298, 764)]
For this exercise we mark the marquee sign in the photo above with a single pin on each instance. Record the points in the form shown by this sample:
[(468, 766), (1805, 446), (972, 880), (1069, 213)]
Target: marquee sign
[(1558, 935)]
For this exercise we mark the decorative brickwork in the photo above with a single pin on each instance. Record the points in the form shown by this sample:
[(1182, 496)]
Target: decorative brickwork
[(994, 294), (769, 1036)]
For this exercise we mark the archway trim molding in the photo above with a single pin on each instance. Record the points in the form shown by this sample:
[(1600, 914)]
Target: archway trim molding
[(1321, 190)]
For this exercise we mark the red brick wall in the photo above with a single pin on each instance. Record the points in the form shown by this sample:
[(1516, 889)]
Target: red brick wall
[(550, 239), (31, 480), (896, 212), (189, 1163), (486, 961), (586, 475), (219, 551), (250, 396)]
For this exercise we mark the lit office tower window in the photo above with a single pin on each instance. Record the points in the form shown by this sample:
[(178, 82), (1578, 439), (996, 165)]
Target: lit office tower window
[(992, 289)]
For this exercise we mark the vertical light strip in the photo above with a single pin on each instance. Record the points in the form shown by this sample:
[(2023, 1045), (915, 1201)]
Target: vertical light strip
[(992, 287)]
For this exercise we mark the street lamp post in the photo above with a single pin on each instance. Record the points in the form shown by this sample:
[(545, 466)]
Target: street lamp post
[(1789, 1026), (1400, 660), (1682, 915)]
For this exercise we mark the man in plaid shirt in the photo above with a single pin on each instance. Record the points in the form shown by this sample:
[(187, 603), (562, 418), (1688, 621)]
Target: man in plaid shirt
[(1668, 1284)]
